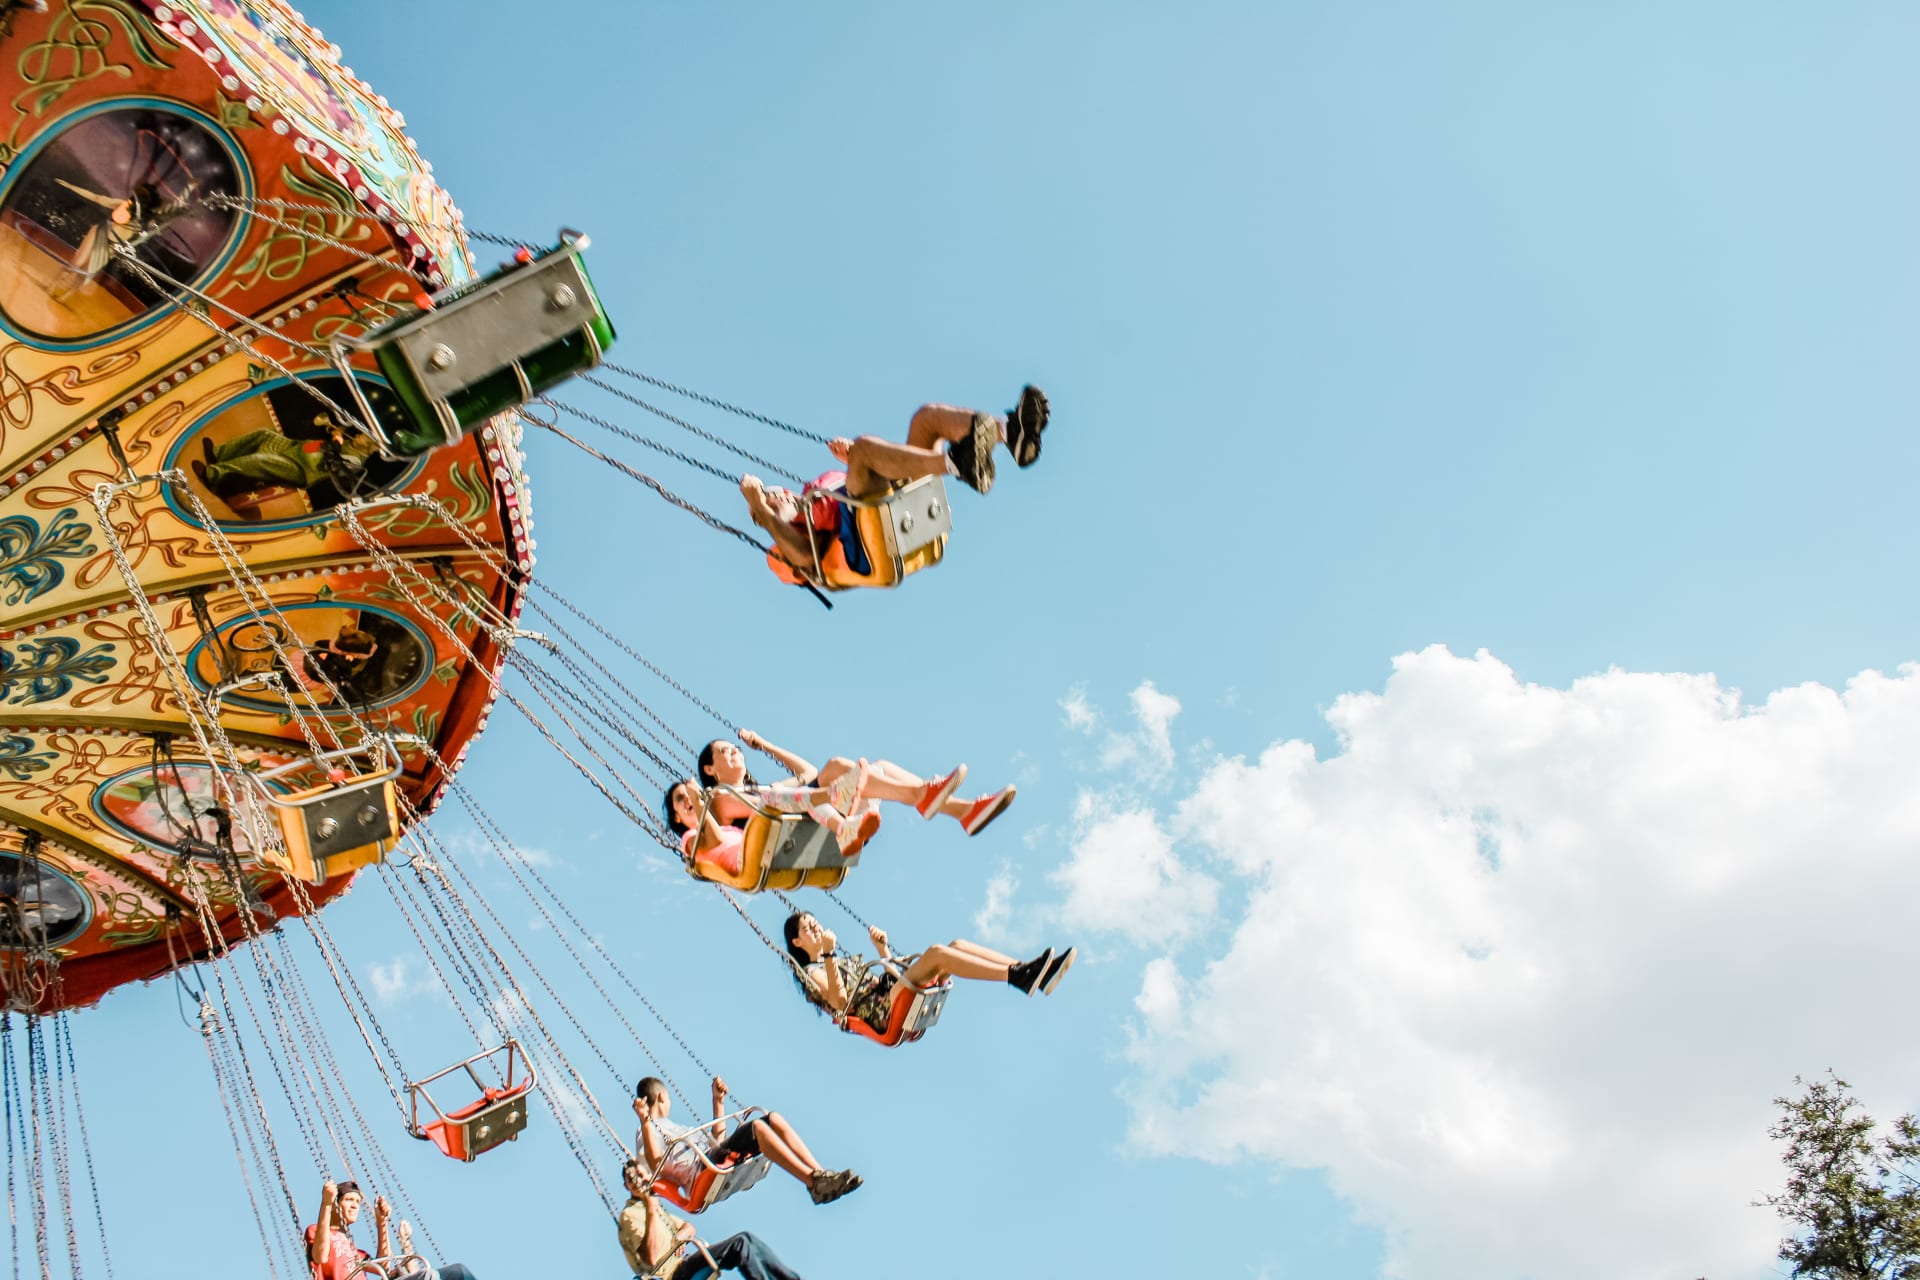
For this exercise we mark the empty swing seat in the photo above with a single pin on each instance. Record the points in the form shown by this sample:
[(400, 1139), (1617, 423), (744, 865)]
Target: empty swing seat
[(498, 1115), (339, 825), (915, 1011), (484, 348), (780, 851), (902, 533)]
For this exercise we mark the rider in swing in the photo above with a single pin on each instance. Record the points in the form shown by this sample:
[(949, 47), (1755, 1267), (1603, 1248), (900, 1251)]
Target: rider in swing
[(875, 466)]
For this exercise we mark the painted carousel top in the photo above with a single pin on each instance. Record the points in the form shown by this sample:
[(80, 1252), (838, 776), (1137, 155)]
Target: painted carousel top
[(197, 201)]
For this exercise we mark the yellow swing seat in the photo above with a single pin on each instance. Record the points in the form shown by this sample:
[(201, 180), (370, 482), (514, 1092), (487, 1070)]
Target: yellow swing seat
[(902, 533), (781, 851), (339, 825)]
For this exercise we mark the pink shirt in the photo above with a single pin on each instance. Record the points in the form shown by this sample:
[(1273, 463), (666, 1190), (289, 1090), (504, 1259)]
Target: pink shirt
[(727, 856)]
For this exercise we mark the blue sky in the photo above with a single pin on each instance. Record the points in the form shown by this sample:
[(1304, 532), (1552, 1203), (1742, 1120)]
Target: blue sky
[(1578, 334)]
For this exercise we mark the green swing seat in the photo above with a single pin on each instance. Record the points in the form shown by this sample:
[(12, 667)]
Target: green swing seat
[(483, 348)]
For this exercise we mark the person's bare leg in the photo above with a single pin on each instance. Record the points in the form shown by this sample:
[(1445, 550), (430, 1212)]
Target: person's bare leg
[(984, 953), (933, 423), (938, 962), (780, 1144), (875, 465)]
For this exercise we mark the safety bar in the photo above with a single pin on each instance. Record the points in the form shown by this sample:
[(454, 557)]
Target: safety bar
[(387, 751), (699, 1148), (390, 1268), (417, 1089)]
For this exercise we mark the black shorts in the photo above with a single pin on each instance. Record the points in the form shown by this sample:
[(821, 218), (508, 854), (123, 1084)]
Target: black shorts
[(741, 1142)]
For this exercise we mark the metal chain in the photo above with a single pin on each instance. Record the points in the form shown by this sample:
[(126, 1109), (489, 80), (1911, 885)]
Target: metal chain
[(579, 674), (10, 1087), (490, 830), (626, 433), (473, 807), (208, 1034), (684, 425), (627, 649), (661, 773), (55, 1083), (672, 497), (709, 401)]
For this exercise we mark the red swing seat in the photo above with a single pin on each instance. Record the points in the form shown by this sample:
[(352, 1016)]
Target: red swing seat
[(717, 1179), (498, 1115), (914, 1012)]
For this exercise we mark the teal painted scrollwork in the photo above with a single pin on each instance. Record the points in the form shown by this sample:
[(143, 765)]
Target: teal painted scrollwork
[(47, 668), (18, 759), (30, 556)]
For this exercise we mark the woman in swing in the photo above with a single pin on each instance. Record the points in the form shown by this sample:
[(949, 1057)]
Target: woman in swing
[(724, 763), (841, 985), (716, 850)]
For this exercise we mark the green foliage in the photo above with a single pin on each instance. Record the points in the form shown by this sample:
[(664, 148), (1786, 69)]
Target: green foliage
[(1853, 1199)]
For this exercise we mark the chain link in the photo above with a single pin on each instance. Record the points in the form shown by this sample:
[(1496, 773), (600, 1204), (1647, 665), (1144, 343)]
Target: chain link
[(712, 403), (684, 425)]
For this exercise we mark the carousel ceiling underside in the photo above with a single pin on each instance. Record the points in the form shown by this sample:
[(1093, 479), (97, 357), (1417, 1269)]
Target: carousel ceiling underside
[(159, 311)]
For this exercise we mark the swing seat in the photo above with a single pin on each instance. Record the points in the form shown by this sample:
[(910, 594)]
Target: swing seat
[(781, 851), (902, 533), (915, 1011), (480, 350), (498, 1115), (335, 827), (714, 1183)]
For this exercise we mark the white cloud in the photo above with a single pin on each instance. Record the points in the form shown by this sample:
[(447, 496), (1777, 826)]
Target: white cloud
[(1148, 748), (1122, 875), (1080, 714), (1520, 968), (403, 978), (996, 913)]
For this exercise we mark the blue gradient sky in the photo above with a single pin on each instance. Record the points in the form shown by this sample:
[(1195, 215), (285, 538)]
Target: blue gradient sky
[(1582, 333)]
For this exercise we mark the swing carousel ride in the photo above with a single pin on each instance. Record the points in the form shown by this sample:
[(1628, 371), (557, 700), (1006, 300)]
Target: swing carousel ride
[(265, 550)]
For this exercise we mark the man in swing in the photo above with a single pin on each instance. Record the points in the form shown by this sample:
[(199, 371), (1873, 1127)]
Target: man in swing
[(769, 1135), (651, 1238), (875, 466), (331, 1253)]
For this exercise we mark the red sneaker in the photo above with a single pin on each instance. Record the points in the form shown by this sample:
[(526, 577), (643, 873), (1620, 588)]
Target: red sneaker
[(939, 791), (986, 809), (853, 836)]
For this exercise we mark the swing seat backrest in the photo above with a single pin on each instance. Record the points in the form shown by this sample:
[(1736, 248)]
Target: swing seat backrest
[(488, 347), (335, 828), (902, 533), (914, 1012), (500, 1115), (782, 851), (713, 1184)]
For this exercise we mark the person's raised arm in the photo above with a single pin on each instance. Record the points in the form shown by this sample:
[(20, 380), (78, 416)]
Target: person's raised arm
[(834, 990), (719, 1129), (382, 1211), (799, 766), (317, 1248)]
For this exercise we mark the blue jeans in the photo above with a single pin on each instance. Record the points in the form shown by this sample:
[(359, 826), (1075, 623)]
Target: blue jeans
[(452, 1271), (745, 1253)]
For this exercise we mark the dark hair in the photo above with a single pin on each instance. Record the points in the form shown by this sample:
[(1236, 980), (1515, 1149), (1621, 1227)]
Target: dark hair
[(340, 1190), (650, 1089), (674, 824), (636, 1164), (703, 768), (792, 931)]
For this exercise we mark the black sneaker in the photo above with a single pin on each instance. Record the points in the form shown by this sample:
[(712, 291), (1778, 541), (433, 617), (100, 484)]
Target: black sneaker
[(1057, 970), (1025, 422), (1025, 977), (973, 457)]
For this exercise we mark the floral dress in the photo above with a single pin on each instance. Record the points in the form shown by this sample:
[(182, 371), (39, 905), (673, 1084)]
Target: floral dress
[(869, 994)]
